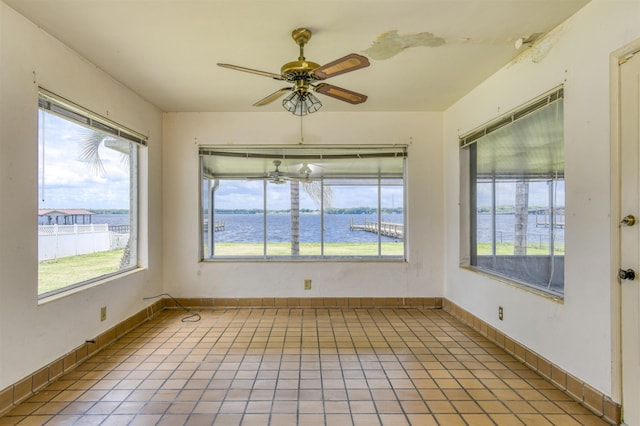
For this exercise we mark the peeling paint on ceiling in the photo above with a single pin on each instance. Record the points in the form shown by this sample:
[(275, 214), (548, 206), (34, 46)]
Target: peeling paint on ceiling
[(541, 46), (391, 43)]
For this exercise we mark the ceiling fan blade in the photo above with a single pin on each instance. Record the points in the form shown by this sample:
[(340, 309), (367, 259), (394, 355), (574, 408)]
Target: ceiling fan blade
[(340, 93), (349, 63), (252, 71), (272, 97)]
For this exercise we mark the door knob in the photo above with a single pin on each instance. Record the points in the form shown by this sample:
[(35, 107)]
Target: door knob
[(628, 220), (626, 274)]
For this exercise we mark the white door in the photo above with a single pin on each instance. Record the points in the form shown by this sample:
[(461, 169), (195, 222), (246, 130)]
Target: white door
[(630, 237)]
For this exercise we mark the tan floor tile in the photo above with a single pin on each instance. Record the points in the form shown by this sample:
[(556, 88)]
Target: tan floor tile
[(388, 407), (125, 419), (220, 420), (534, 420), (365, 420), (422, 419), (311, 419), (284, 419), (589, 420), (562, 420), (520, 407), (478, 419), (394, 420), (506, 420), (467, 407), (450, 419), (362, 407), (302, 366), (336, 420), (27, 408), (441, 407), (493, 407), (337, 407)]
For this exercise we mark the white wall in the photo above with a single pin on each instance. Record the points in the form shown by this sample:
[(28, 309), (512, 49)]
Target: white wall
[(33, 334), (576, 334), (184, 276)]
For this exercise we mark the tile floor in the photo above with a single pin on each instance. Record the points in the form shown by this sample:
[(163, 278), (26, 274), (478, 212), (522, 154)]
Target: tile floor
[(302, 367)]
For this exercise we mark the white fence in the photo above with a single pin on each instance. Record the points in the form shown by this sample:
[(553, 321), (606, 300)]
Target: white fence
[(56, 241)]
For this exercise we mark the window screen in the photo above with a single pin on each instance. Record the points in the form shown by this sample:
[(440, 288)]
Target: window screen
[(302, 203), (87, 196), (515, 190)]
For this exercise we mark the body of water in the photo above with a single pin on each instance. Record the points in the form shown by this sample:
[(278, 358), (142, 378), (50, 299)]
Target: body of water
[(505, 224), (250, 227)]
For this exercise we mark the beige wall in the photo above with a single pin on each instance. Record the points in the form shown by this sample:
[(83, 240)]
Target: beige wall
[(185, 276), (33, 334), (577, 334)]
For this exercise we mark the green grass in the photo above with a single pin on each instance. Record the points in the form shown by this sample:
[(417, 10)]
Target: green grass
[(309, 249), (506, 249), (59, 273)]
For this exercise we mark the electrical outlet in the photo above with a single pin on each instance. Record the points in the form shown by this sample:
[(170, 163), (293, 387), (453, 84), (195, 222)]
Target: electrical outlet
[(500, 313), (307, 284), (103, 313)]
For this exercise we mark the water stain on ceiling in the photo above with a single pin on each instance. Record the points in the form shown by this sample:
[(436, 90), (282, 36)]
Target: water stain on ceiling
[(391, 43)]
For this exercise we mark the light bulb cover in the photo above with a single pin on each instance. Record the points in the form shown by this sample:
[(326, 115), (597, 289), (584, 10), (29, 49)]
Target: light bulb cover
[(301, 103)]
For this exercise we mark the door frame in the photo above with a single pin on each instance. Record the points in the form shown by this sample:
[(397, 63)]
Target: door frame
[(616, 59)]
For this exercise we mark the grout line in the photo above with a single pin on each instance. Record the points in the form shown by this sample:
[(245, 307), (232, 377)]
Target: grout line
[(350, 337)]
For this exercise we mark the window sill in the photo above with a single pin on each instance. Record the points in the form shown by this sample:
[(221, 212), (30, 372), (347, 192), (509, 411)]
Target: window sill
[(529, 288), (308, 259), (87, 285)]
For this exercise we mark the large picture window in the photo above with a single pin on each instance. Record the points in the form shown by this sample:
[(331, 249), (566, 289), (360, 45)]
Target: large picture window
[(303, 203), (87, 196), (513, 195)]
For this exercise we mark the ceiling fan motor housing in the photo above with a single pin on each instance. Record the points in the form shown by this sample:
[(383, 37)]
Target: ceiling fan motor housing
[(300, 69), (297, 70)]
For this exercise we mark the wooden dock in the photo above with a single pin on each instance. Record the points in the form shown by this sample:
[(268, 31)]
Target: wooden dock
[(217, 226), (543, 218), (388, 229)]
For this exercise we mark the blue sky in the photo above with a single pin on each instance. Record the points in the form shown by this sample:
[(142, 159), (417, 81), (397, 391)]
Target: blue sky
[(241, 194), (65, 181), (538, 194)]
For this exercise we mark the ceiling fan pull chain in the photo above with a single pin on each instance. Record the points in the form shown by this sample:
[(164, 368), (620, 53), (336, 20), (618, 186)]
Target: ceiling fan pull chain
[(301, 134)]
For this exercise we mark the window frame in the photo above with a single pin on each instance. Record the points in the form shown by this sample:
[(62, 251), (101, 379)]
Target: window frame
[(469, 180), (300, 153), (73, 113)]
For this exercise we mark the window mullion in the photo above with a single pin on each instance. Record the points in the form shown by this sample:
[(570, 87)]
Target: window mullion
[(494, 231), (264, 218), (379, 216), (321, 217)]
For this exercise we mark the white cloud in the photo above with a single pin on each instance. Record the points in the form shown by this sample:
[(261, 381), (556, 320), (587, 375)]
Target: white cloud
[(66, 181)]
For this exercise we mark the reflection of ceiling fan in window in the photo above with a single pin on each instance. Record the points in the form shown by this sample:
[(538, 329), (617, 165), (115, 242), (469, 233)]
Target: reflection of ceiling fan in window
[(279, 177), (305, 75)]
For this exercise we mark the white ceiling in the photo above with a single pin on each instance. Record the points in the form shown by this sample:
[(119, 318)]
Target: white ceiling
[(167, 50)]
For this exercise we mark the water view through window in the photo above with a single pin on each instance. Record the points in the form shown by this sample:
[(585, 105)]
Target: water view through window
[(513, 175), (339, 208), (87, 195)]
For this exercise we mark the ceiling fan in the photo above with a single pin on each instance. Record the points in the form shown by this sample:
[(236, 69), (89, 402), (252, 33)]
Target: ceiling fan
[(304, 75), (279, 177)]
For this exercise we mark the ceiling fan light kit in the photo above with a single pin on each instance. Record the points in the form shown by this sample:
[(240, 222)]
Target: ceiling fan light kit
[(301, 103), (303, 75), (278, 177)]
